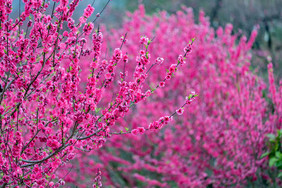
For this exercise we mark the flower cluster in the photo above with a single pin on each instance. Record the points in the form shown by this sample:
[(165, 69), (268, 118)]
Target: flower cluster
[(217, 141), (61, 95)]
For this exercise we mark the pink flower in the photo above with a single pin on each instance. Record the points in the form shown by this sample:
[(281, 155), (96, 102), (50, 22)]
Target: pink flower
[(135, 132), (144, 40), (88, 11), (172, 68), (141, 130), (181, 59), (108, 76), (159, 60), (180, 111), (168, 77), (188, 48), (125, 58)]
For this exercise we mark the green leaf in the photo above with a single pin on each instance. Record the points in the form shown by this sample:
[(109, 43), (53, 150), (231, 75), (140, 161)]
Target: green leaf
[(279, 132), (271, 136), (279, 164), (272, 161), (276, 146), (97, 110), (152, 89), (278, 154), (126, 129), (190, 96), (69, 69), (264, 155)]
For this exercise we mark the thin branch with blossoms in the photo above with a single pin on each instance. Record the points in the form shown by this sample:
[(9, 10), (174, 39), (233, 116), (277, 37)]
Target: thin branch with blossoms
[(163, 120)]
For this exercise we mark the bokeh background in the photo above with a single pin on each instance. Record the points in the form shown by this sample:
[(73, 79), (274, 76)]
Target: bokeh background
[(243, 14)]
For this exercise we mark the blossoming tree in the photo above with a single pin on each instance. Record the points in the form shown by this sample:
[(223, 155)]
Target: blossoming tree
[(218, 141), (56, 87)]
